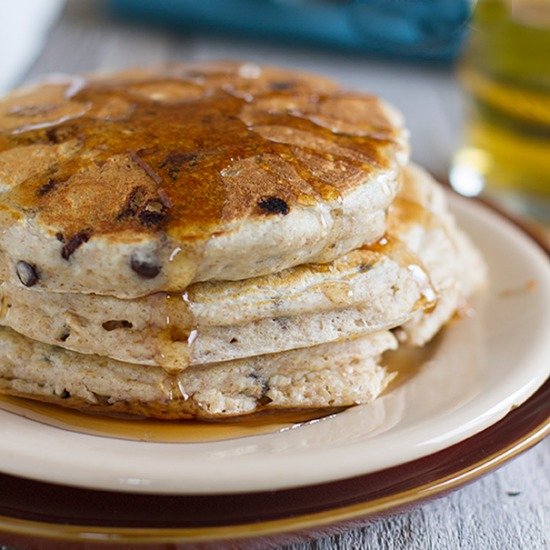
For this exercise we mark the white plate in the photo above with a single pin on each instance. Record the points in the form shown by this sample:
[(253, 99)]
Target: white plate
[(481, 368)]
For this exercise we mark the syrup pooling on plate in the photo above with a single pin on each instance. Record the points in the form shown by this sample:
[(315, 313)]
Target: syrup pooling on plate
[(404, 213), (161, 431), (408, 361)]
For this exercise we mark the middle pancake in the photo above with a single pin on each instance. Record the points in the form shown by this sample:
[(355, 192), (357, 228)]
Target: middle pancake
[(367, 290)]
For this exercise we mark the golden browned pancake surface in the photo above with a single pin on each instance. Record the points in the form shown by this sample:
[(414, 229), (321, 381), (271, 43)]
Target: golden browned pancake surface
[(186, 154)]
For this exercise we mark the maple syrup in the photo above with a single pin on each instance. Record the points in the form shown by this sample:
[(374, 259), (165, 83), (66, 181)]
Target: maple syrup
[(392, 247), (407, 361), (180, 154), (185, 132), (174, 330), (179, 145), (161, 431)]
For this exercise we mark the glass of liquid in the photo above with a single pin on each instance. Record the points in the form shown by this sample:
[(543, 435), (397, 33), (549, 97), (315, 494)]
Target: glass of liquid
[(505, 71)]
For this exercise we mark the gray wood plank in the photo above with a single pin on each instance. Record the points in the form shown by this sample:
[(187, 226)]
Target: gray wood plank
[(507, 510)]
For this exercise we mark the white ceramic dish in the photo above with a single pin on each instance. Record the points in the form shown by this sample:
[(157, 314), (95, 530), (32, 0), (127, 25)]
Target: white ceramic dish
[(479, 370)]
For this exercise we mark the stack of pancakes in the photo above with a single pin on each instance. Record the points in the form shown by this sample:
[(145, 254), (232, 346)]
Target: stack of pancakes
[(209, 240)]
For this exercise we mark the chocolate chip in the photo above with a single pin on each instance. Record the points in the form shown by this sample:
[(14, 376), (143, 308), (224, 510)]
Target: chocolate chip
[(264, 388), (47, 187), (133, 203), (282, 85), (144, 267), (59, 134), (52, 135), (65, 394), (174, 161), (113, 325), (264, 400), (59, 236), (28, 273), (274, 205), (154, 213), (73, 243)]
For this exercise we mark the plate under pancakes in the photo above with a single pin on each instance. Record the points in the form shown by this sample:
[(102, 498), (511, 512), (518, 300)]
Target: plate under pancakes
[(483, 366), (147, 181)]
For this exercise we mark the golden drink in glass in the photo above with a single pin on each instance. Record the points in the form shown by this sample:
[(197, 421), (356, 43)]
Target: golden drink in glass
[(505, 71)]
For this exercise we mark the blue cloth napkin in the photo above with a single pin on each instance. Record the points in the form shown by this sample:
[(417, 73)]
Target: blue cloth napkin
[(414, 29)]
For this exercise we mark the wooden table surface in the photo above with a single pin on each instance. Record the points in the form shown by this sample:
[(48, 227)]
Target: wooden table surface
[(508, 509)]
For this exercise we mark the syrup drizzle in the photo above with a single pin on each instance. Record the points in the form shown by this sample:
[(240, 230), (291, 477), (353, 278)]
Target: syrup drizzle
[(194, 149), (173, 328), (398, 251), (188, 137)]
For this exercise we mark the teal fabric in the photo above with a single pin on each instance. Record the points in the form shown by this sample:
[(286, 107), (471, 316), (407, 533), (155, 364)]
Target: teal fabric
[(414, 29)]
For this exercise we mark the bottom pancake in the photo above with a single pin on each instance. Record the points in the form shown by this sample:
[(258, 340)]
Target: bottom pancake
[(329, 375)]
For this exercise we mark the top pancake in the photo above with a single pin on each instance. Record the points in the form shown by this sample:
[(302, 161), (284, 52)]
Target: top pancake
[(150, 180)]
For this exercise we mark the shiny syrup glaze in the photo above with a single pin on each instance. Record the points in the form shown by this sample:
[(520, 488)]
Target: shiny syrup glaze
[(177, 147), (399, 252), (161, 431), (189, 151), (403, 212), (182, 147), (174, 329)]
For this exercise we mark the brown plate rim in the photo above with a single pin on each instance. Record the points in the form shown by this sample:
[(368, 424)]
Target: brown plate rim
[(520, 430)]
